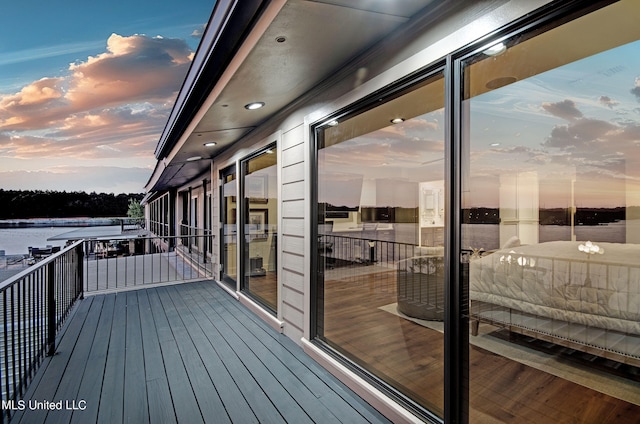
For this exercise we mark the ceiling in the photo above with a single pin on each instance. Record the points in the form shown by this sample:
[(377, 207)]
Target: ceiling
[(557, 47), (306, 43)]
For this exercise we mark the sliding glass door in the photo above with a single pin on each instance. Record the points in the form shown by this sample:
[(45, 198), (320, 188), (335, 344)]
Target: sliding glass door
[(492, 274), (380, 240), (260, 231), (229, 230), (551, 229)]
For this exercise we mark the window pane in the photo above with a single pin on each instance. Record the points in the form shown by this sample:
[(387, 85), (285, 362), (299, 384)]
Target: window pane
[(261, 228), (551, 197), (381, 241), (229, 226)]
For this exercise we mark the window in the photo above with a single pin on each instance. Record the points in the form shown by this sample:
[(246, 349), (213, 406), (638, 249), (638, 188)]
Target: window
[(550, 202), (546, 134), (260, 184), (380, 240), (229, 230)]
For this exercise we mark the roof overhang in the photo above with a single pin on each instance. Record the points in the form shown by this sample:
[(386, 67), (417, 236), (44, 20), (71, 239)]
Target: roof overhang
[(264, 51)]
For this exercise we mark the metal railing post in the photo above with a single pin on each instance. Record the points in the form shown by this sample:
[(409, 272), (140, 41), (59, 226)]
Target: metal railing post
[(51, 308), (80, 270)]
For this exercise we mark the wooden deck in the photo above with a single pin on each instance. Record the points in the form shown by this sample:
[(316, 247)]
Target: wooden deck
[(187, 353)]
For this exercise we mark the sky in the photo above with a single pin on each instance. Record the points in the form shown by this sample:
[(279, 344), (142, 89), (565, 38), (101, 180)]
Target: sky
[(576, 128), (86, 89)]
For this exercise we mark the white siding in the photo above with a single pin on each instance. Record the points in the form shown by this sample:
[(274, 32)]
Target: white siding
[(292, 232), (293, 173), (293, 191)]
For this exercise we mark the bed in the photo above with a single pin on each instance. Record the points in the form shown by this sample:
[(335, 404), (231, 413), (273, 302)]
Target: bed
[(557, 292)]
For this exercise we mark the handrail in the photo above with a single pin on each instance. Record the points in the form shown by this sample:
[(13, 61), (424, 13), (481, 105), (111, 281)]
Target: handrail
[(122, 264), (33, 306), (340, 250)]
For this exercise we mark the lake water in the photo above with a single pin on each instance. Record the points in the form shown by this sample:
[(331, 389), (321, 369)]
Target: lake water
[(16, 241), (487, 236)]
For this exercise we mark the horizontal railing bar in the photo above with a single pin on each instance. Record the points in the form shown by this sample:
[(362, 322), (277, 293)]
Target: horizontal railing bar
[(119, 264), (24, 273)]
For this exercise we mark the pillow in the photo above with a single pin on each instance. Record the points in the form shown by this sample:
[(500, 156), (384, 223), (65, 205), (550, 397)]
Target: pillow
[(512, 242)]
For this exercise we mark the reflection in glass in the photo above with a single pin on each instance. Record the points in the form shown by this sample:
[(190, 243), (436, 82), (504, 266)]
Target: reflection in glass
[(229, 226), (381, 241), (261, 228), (552, 175)]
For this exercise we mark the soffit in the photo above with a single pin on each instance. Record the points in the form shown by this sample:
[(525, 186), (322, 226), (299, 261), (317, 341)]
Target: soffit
[(321, 37), (562, 45)]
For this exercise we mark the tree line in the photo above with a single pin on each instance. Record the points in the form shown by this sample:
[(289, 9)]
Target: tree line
[(22, 204)]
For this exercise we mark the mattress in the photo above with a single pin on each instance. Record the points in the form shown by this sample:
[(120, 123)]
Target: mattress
[(556, 280)]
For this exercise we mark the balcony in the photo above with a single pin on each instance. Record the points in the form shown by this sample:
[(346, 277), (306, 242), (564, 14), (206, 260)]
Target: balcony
[(127, 348)]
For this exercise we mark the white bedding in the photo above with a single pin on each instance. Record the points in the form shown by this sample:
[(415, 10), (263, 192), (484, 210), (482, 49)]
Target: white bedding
[(556, 280)]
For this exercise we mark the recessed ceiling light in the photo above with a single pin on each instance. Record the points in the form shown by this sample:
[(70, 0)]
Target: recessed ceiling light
[(281, 39), (496, 49), (254, 105), (332, 123), (397, 120), (194, 158), (210, 144)]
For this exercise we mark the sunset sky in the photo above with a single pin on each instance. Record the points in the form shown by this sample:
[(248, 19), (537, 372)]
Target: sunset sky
[(576, 127), (85, 90)]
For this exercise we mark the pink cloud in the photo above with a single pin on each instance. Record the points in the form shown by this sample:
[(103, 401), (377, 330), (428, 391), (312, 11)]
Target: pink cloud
[(135, 68), (111, 104), (565, 109)]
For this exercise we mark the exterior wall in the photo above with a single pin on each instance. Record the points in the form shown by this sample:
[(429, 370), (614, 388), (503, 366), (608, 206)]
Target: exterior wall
[(401, 55), (292, 231), (291, 130)]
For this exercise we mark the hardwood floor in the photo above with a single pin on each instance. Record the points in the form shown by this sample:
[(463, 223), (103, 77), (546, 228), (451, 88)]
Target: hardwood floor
[(410, 357), (265, 288)]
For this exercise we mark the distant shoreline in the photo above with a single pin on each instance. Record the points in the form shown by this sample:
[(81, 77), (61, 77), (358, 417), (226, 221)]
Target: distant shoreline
[(58, 222)]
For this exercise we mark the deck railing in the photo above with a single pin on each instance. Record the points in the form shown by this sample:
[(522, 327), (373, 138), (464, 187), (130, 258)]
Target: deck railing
[(338, 251), (33, 307), (200, 239), (112, 265)]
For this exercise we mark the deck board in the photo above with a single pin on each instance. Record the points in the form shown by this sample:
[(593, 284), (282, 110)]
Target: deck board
[(236, 405), (186, 353), (79, 358), (182, 393), (207, 395), (330, 393), (46, 387), (159, 401), (89, 389), (135, 408), (113, 382)]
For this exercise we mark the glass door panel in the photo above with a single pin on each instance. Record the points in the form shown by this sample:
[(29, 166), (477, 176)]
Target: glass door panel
[(261, 228), (381, 214), (229, 208), (550, 222)]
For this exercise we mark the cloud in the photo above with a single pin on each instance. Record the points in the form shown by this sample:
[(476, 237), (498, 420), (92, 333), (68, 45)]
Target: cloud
[(101, 179), (36, 93), (607, 101), (199, 32), (133, 69), (10, 58), (565, 109), (579, 133), (113, 103), (636, 90), (111, 133)]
